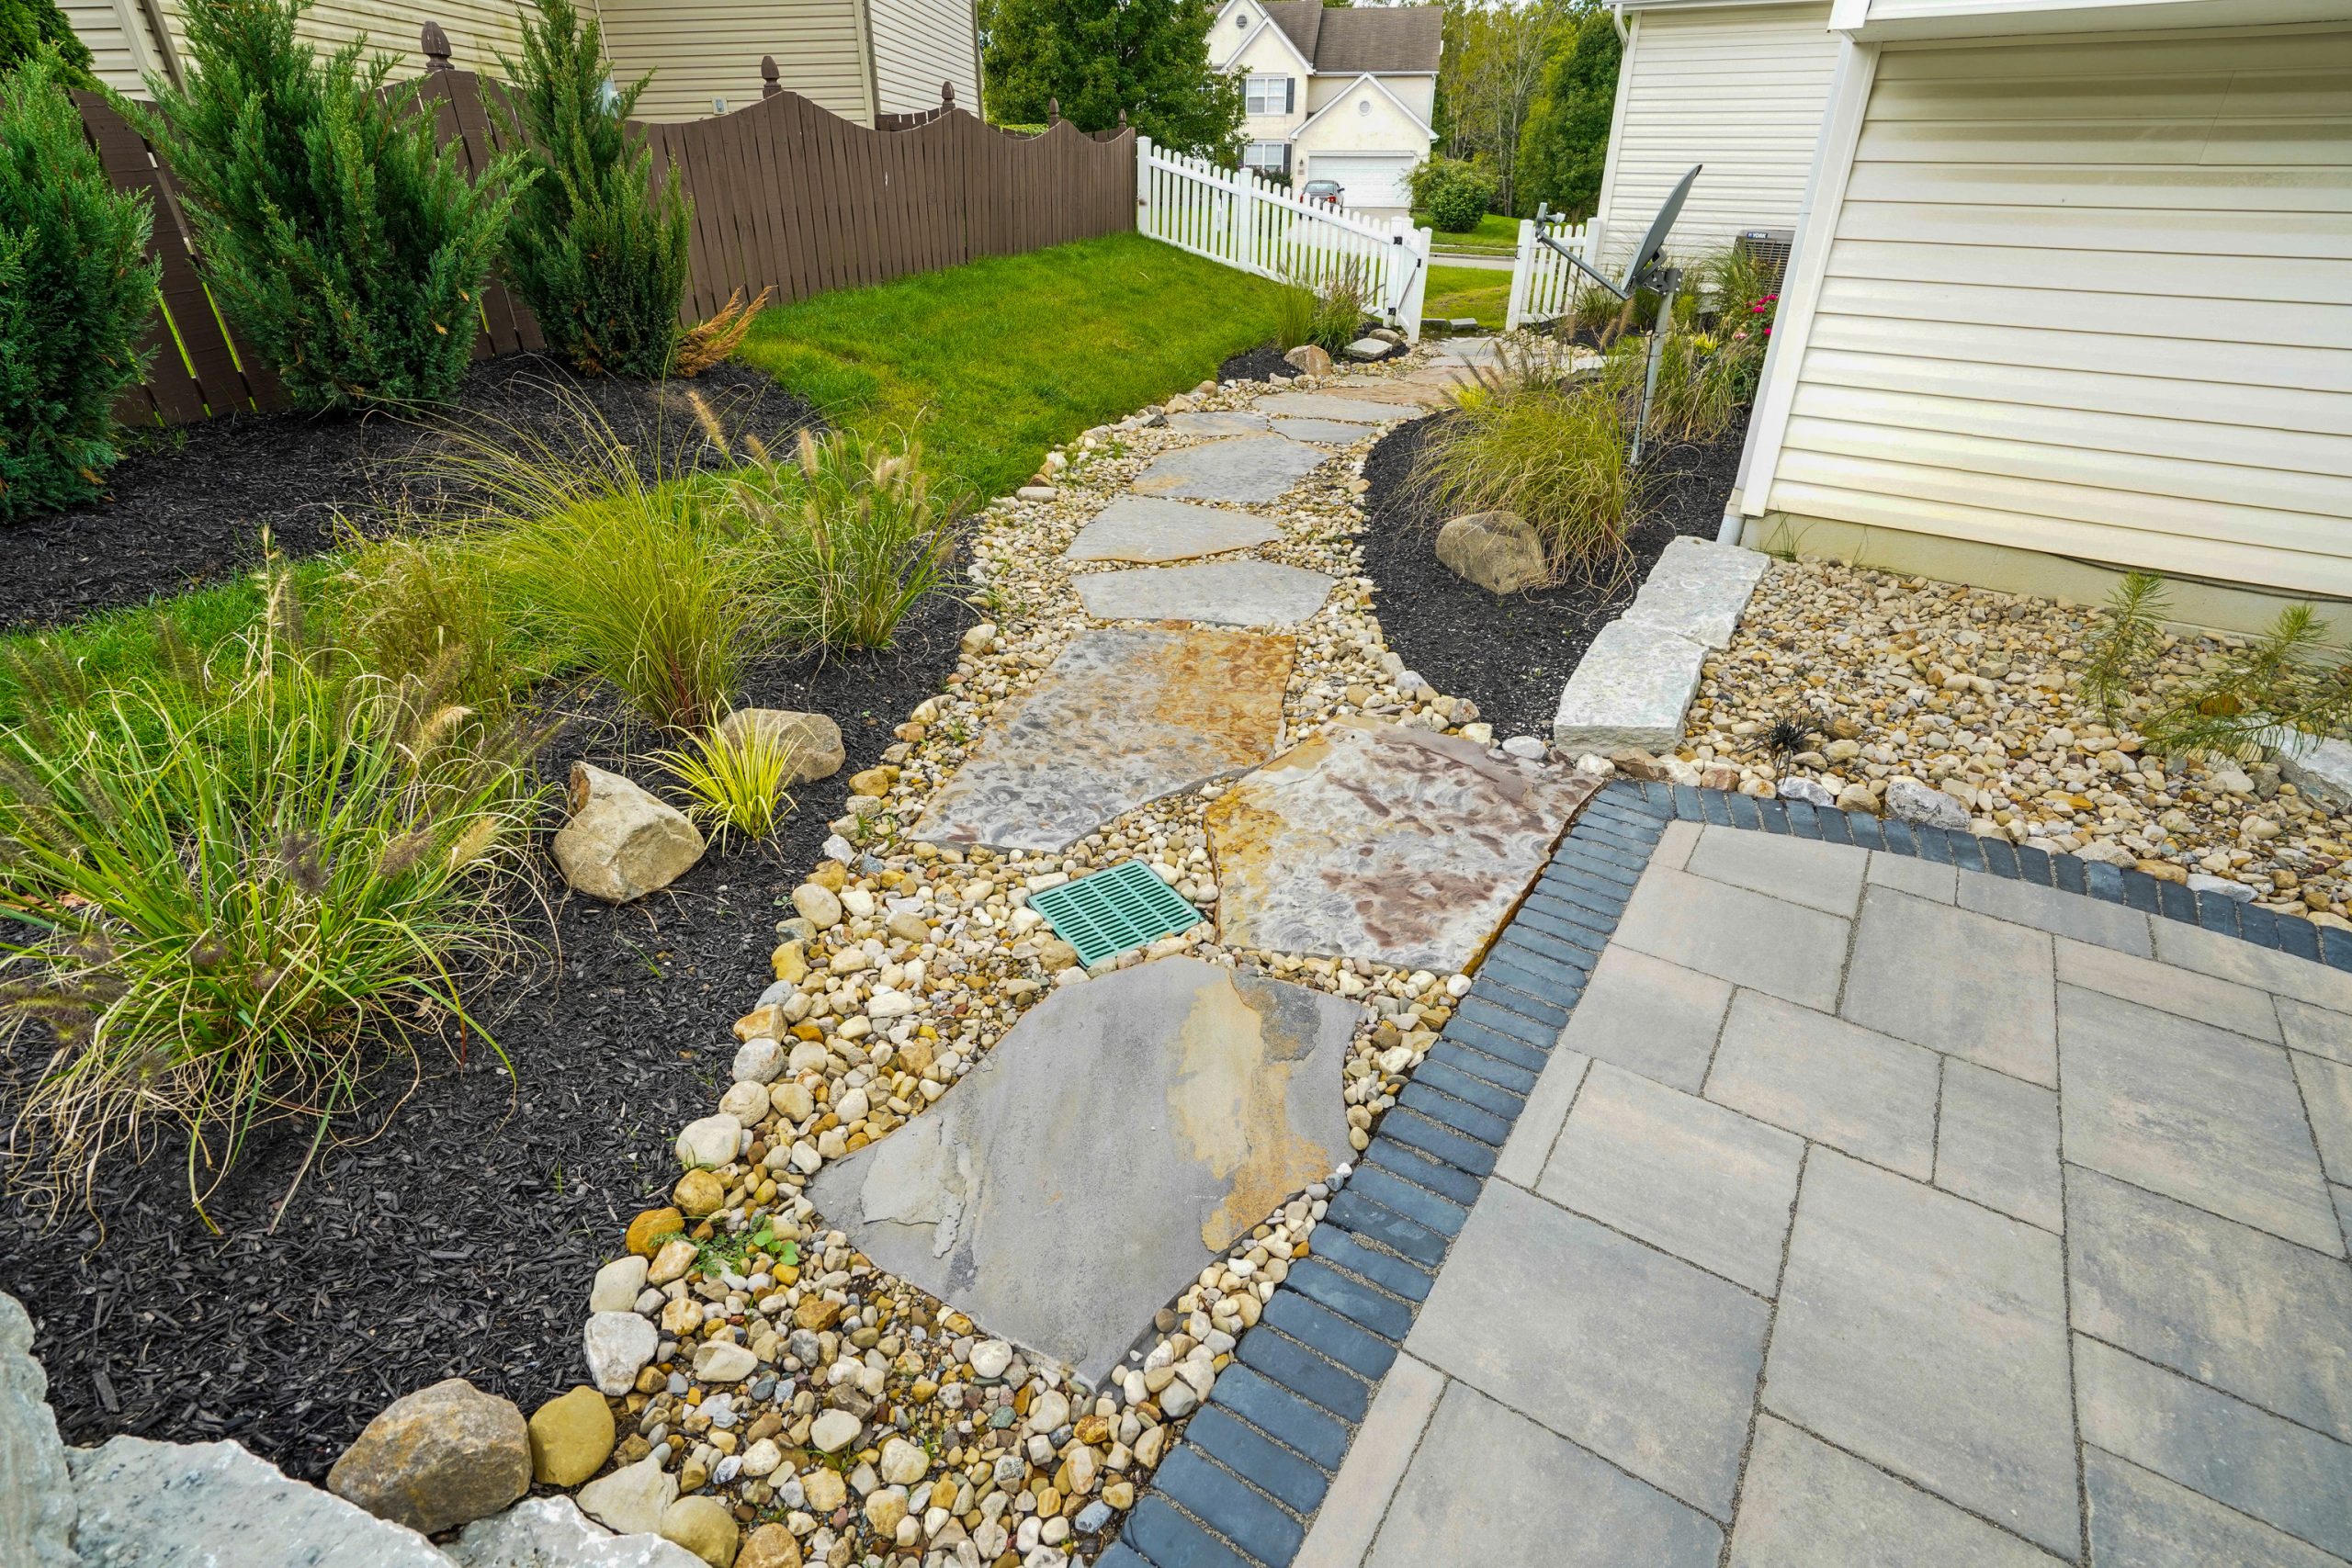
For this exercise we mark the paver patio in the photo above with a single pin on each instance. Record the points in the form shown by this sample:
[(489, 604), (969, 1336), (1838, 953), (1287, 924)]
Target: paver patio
[(1850, 1208)]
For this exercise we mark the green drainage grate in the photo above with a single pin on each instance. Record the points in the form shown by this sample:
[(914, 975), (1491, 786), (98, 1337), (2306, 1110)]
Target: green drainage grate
[(1111, 911)]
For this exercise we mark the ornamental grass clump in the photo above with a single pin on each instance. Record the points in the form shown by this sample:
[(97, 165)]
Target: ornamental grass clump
[(736, 777), (1529, 437), (336, 234), (76, 290), (848, 538), (596, 247), (240, 888)]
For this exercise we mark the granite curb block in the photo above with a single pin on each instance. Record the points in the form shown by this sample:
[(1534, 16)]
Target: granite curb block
[(1304, 1379), (1635, 683)]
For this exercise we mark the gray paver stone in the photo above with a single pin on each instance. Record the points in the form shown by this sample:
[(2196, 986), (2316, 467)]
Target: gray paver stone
[(2241, 1010), (1648, 1016), (1708, 1185), (1768, 944), (1837, 1082), (1222, 592), (2221, 1447), (1996, 1142), (2141, 1520), (1699, 589), (2191, 1111), (1631, 688), (2054, 910), (1193, 1100), (1909, 874), (1218, 422), (1144, 529), (1639, 1357), (1335, 406), (1322, 432), (1930, 1335), (1820, 876), (1955, 981), (1804, 1504), (2227, 1304), (2320, 1030), (1494, 1488), (2327, 1094)]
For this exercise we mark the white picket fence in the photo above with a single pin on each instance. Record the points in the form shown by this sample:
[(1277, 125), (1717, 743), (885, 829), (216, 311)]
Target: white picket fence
[(1248, 223), (1542, 285)]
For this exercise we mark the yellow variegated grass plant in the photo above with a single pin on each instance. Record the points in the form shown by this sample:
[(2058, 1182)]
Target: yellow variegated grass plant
[(737, 777), (238, 889)]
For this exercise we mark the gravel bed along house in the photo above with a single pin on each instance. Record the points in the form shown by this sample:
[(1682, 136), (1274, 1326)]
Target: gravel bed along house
[(1972, 691)]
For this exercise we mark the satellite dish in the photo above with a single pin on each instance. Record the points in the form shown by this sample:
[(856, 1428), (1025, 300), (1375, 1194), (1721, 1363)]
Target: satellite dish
[(1653, 241)]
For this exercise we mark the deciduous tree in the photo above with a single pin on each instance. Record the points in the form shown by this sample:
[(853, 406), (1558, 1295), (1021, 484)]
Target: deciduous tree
[(1149, 58)]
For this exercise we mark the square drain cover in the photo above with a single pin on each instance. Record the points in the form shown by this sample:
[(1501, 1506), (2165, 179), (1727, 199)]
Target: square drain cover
[(1107, 913)]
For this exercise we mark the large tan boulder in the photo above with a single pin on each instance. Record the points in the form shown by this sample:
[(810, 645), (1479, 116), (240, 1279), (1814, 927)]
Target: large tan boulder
[(1500, 552), (441, 1457), (571, 1436), (1310, 359), (621, 842), (810, 740)]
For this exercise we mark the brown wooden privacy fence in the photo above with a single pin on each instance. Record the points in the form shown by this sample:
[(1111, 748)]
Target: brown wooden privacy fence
[(786, 197)]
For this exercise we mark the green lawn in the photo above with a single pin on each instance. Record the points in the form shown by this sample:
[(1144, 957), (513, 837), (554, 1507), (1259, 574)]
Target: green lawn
[(1495, 233), (1476, 291), (987, 364), (990, 364)]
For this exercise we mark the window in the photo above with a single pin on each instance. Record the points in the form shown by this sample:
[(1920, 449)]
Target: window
[(1271, 94), (1267, 157)]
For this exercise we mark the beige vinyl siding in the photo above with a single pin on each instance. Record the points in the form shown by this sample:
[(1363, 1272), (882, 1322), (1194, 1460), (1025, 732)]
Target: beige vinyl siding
[(701, 50), (1740, 89), (118, 54), (2095, 298), (918, 44)]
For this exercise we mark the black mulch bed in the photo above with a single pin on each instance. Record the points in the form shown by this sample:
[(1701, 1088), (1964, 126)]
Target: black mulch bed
[(1512, 655), (461, 1242), (1264, 363), (186, 506)]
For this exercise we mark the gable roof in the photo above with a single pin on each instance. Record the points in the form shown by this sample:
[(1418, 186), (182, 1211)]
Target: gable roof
[(1347, 93), (1398, 40)]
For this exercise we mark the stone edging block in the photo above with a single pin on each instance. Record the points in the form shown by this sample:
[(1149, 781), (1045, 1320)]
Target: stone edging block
[(1635, 683)]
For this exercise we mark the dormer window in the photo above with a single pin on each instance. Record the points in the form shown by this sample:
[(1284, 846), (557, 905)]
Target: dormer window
[(1271, 95)]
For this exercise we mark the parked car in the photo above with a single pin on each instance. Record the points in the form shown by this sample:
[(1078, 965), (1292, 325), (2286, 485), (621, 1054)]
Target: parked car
[(1327, 192)]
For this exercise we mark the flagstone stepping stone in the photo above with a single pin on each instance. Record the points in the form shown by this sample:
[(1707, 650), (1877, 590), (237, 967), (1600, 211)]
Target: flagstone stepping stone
[(1327, 432), (1140, 528), (1219, 421), (1122, 1136), (1242, 468), (1122, 715), (1224, 593), (1331, 405), (1383, 843)]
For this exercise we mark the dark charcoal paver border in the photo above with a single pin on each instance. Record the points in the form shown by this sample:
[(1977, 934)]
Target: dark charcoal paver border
[(1242, 1488)]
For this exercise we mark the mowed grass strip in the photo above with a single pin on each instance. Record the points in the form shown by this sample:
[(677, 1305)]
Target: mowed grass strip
[(1479, 293)]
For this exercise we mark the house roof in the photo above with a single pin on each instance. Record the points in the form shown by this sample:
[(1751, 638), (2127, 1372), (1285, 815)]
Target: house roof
[(1368, 80), (1394, 39)]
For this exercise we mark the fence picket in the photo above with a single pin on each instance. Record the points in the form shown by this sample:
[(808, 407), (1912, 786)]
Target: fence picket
[(1544, 284), (1245, 222)]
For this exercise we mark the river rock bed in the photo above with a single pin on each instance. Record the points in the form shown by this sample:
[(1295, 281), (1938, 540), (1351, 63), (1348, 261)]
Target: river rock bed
[(1972, 691)]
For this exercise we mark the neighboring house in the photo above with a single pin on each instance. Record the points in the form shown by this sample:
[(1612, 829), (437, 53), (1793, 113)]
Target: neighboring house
[(1333, 93), (1738, 88), (2072, 292), (857, 58)]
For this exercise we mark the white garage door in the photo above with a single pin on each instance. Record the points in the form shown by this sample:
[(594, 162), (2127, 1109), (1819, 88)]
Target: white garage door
[(2096, 298), (1369, 182)]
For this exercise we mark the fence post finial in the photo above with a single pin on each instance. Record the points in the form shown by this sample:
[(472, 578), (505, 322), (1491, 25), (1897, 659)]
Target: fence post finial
[(947, 97), (770, 81), (436, 48), (1053, 111), (1123, 118)]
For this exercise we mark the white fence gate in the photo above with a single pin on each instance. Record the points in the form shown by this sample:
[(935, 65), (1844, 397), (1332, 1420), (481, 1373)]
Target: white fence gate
[(1248, 223), (1542, 285)]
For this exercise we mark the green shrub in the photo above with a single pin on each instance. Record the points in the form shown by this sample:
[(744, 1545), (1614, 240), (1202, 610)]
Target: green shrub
[(26, 26), (1703, 380), (332, 230), (247, 889), (596, 251), (1454, 194), (75, 292), (848, 540), (1527, 437)]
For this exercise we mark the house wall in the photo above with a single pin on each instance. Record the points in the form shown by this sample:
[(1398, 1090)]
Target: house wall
[(918, 44), (1380, 127), (1270, 55), (2090, 297), (1420, 93), (1738, 88), (1232, 27), (702, 50)]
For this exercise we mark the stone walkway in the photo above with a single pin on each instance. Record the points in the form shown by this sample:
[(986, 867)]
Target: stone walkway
[(1773, 1201)]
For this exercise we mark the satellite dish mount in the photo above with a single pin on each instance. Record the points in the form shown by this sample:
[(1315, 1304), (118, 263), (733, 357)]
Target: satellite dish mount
[(1647, 269)]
